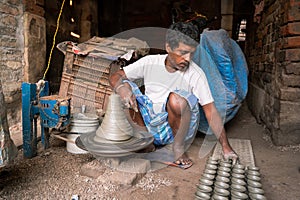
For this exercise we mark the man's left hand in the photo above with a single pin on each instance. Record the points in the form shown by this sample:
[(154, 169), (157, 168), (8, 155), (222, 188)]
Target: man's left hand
[(231, 155)]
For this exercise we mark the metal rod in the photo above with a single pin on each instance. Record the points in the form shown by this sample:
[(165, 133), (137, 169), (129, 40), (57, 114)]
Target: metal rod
[(63, 138)]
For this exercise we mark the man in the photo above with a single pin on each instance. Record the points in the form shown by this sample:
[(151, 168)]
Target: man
[(174, 88)]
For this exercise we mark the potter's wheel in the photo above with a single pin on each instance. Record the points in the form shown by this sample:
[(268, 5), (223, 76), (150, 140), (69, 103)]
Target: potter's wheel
[(107, 148), (115, 137)]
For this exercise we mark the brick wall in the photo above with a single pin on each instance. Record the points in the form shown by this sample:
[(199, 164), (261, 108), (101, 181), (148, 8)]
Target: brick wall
[(273, 53), (11, 59), (23, 39), (22, 49)]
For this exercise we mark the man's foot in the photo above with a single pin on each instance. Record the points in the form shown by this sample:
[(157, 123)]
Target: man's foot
[(184, 161)]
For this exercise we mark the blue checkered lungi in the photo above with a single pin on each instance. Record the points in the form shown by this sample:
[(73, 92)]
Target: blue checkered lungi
[(157, 123)]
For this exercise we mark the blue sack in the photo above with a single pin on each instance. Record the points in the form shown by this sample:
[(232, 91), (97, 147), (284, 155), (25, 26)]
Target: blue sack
[(225, 67)]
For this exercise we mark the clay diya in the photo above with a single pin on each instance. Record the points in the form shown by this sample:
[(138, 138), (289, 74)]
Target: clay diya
[(225, 169), (210, 171), (220, 184), (208, 176), (238, 188), (219, 197), (206, 182), (222, 179), (254, 173), (212, 162), (211, 166), (239, 166), (222, 173), (253, 168), (202, 195), (225, 164), (255, 190), (253, 177), (257, 196), (255, 184), (204, 188), (238, 181), (239, 176), (238, 171), (239, 195), (221, 191)]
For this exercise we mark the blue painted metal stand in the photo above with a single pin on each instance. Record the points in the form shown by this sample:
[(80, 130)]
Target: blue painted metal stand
[(54, 112), (30, 112)]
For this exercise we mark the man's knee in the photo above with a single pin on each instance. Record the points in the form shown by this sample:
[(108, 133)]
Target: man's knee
[(177, 103)]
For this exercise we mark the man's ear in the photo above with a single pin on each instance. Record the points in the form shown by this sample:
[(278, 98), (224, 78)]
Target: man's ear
[(168, 48)]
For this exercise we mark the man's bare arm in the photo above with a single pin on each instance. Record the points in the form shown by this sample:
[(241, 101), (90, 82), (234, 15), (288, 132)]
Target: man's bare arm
[(123, 89), (217, 126), (116, 78)]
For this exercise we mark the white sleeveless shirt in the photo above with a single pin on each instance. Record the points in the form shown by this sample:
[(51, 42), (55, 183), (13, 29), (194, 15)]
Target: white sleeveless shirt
[(159, 82)]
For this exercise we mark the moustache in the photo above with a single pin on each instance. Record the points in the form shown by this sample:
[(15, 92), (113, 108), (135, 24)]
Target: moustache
[(185, 63)]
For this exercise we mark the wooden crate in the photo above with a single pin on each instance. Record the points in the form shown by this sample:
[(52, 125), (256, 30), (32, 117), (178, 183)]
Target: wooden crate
[(86, 72), (85, 80)]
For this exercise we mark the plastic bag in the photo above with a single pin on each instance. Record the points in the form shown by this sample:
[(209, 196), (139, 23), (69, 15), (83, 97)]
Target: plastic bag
[(225, 66)]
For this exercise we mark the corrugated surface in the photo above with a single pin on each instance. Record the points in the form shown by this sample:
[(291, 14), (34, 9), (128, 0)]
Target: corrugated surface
[(242, 147), (85, 80)]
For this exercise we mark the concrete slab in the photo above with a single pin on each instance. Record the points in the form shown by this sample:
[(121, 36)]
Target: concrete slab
[(125, 178), (93, 169)]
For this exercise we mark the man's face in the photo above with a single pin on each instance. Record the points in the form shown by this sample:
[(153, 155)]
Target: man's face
[(179, 58)]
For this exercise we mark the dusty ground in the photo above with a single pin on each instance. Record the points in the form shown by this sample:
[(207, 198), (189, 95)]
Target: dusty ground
[(55, 173)]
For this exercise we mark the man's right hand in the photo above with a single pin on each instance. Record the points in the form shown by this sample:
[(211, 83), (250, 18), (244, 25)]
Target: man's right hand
[(127, 97)]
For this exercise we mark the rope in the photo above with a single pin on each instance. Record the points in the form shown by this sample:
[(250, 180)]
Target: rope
[(53, 44)]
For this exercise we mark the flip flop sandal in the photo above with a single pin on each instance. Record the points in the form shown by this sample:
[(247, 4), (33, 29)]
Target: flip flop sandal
[(173, 164), (184, 166)]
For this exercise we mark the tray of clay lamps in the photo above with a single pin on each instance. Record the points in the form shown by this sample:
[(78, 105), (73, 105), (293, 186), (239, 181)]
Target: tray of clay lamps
[(221, 180)]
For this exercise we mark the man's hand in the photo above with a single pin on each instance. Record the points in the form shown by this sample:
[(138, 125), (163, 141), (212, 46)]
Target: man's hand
[(127, 97), (231, 155)]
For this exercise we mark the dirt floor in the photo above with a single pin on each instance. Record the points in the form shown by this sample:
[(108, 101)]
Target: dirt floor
[(56, 174)]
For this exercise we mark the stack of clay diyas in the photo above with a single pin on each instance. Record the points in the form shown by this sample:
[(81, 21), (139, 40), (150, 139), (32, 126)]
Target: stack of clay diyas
[(238, 184), (205, 186), (254, 185), (221, 180)]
